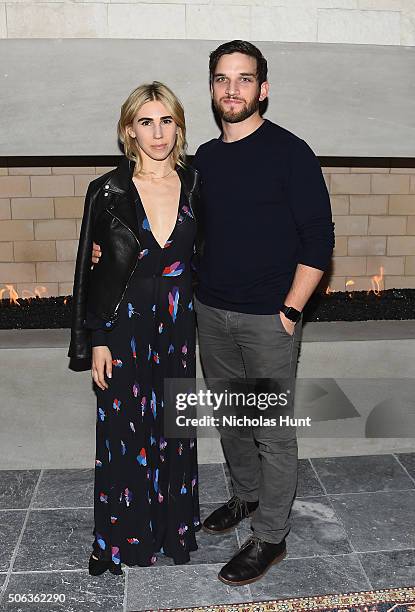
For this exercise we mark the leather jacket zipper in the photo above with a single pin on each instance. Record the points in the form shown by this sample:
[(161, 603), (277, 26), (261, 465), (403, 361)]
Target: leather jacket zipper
[(114, 314)]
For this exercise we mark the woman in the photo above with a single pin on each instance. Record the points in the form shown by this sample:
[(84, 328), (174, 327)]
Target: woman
[(135, 310)]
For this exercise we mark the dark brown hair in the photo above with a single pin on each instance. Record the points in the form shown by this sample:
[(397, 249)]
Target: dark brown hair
[(239, 46)]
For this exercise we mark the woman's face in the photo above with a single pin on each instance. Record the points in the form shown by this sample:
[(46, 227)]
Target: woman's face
[(154, 130)]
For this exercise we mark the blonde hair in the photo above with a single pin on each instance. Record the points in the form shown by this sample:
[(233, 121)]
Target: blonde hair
[(150, 92)]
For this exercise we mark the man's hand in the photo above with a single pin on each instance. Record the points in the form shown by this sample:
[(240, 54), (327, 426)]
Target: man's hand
[(287, 324), (101, 363), (96, 254)]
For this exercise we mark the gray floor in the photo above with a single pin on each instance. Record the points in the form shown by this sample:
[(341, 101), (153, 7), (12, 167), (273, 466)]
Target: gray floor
[(353, 529)]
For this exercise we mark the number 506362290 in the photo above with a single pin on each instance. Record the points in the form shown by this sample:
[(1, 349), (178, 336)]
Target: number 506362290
[(37, 597)]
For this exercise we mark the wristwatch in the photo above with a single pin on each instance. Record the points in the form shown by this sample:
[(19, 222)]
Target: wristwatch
[(291, 313)]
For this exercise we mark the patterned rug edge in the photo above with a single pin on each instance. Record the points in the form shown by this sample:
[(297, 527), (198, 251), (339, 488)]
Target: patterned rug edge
[(396, 596)]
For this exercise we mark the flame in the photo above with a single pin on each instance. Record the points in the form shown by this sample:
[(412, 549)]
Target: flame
[(376, 281), (350, 283), (328, 290), (14, 296)]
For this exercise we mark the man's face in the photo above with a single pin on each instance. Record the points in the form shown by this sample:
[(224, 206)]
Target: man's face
[(235, 90)]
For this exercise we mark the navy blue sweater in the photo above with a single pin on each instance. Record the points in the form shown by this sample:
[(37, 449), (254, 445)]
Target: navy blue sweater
[(265, 208)]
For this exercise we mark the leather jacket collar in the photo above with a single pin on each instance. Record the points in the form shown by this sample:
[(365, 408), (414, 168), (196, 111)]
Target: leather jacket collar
[(120, 180)]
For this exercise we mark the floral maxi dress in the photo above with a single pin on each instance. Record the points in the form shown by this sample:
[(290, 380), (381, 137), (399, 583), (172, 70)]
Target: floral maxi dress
[(146, 486)]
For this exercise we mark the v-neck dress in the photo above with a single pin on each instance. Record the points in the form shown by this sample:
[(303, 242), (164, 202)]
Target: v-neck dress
[(146, 486)]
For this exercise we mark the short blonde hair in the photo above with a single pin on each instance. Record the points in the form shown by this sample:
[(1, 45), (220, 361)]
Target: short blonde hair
[(150, 92)]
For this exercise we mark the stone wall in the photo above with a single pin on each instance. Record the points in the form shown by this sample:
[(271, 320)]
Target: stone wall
[(41, 208), (377, 22)]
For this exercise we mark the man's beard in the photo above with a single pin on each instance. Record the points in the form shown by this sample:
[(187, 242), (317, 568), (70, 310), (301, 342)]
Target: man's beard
[(236, 117)]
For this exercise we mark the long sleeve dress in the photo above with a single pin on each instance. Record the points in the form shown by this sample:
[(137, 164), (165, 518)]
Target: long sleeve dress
[(146, 486)]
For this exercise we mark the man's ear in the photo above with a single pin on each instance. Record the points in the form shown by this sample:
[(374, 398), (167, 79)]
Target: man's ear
[(264, 91)]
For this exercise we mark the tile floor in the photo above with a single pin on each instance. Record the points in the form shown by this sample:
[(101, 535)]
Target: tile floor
[(353, 529)]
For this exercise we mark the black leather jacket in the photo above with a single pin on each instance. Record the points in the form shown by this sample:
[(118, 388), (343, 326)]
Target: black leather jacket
[(110, 220)]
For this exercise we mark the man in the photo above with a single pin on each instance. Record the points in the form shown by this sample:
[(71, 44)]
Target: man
[(268, 238)]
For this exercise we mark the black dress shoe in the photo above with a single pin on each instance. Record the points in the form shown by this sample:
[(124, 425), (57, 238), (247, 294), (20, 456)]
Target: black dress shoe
[(253, 560), (230, 514)]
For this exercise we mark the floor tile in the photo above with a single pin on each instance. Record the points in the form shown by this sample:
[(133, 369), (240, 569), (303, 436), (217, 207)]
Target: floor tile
[(303, 577), (78, 591), (10, 528), (408, 461), (316, 530), (378, 521), (16, 487), (308, 483), (212, 483), (65, 488), (180, 586), (388, 569), (56, 540), (362, 473)]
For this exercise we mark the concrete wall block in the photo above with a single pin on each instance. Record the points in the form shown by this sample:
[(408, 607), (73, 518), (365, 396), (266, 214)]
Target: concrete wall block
[(358, 283), (368, 204), (29, 171), (12, 273), (400, 282), (391, 265), (5, 209), (350, 225), (340, 247), (32, 208), (337, 170), (66, 250), (3, 21), (81, 183), (6, 251), (390, 183), (402, 204), (410, 225), (365, 245), (73, 169), (412, 184), (55, 229), (147, 21), (349, 266), (339, 205), (410, 265), (359, 27), (69, 208), (219, 22), (14, 186), (65, 289), (35, 250), (50, 186), (60, 271), (408, 27), (16, 230), (410, 171), (57, 20), (383, 226), (363, 170), (401, 245), (285, 23), (336, 283), (350, 183)]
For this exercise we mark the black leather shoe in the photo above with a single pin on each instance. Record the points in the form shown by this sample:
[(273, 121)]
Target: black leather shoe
[(252, 561), (225, 518)]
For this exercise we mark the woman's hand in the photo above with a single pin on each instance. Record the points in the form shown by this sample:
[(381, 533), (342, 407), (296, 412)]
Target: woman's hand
[(101, 363), (96, 254)]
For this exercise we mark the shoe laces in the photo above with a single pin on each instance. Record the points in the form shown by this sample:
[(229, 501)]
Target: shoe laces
[(250, 540), (238, 506)]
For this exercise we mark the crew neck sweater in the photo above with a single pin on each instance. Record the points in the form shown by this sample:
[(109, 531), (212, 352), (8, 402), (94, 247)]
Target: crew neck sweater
[(265, 209)]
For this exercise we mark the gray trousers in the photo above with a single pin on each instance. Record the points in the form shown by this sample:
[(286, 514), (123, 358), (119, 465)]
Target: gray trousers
[(263, 465)]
